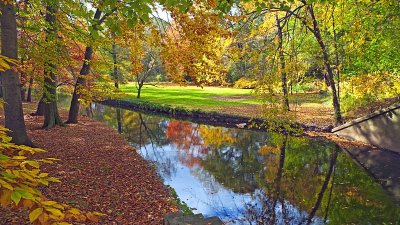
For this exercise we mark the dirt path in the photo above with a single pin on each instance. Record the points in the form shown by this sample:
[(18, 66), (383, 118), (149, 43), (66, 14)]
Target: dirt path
[(99, 172)]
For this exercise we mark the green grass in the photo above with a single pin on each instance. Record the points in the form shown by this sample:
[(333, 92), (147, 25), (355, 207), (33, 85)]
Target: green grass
[(224, 100), (206, 98)]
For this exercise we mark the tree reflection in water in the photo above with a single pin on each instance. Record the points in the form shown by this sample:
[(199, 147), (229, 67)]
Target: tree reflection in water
[(248, 177)]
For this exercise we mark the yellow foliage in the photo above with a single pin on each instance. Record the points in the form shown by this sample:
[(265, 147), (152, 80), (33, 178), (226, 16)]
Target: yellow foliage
[(265, 150), (381, 85), (6, 63), (363, 89), (7, 2), (194, 46), (216, 136)]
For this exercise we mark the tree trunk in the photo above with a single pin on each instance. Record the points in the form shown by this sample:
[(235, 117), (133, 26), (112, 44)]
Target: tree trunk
[(119, 120), (13, 112), (51, 115), (29, 94), (331, 81), (335, 45), (23, 88), (285, 101), (1, 83), (115, 72), (40, 107), (74, 108), (139, 89)]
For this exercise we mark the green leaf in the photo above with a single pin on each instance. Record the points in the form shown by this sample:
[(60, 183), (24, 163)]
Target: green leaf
[(16, 197), (3, 157), (25, 194)]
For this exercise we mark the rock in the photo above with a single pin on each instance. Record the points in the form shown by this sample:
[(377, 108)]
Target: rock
[(241, 125)]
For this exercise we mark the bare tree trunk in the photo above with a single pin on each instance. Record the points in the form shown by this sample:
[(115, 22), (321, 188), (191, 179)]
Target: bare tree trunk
[(139, 89), (40, 107), (51, 115), (23, 88), (115, 72), (335, 45), (13, 112), (119, 120), (29, 94), (74, 108), (1, 83), (317, 33), (285, 102)]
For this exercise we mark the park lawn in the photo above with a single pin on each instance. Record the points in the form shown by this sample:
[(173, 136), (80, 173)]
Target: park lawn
[(192, 97), (309, 108)]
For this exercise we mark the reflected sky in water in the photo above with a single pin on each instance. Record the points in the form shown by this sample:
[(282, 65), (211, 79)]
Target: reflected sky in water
[(249, 177)]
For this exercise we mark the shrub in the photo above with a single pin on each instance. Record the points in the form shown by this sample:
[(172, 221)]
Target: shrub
[(364, 89), (245, 83)]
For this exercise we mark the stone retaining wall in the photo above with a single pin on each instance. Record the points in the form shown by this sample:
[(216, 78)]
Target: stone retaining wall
[(381, 128)]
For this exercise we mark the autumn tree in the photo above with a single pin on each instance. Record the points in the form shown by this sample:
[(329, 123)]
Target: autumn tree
[(303, 12), (134, 12), (13, 113), (195, 44), (74, 107), (144, 45), (315, 30), (51, 115)]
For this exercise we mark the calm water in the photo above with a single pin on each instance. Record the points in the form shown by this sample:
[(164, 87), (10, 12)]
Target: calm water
[(249, 177)]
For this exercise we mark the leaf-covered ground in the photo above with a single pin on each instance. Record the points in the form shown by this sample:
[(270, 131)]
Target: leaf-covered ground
[(99, 172)]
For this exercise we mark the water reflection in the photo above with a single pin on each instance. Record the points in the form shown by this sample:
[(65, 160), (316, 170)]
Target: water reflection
[(248, 177)]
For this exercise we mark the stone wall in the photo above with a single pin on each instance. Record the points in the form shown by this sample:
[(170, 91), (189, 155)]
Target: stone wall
[(381, 128)]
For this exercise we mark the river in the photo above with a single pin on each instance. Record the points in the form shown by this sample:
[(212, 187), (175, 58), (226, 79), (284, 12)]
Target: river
[(252, 177)]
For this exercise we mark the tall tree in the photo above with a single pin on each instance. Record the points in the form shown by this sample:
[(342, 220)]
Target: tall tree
[(285, 101), (311, 23), (115, 64), (13, 112), (80, 81), (329, 78), (51, 115)]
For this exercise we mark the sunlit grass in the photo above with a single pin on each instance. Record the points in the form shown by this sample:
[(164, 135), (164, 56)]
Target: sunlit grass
[(191, 96), (226, 100)]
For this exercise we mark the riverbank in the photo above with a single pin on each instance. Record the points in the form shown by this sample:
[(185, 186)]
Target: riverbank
[(311, 108), (99, 171), (211, 118), (382, 165)]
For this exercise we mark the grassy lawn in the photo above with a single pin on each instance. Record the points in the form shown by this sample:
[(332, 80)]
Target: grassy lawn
[(311, 108), (206, 98)]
